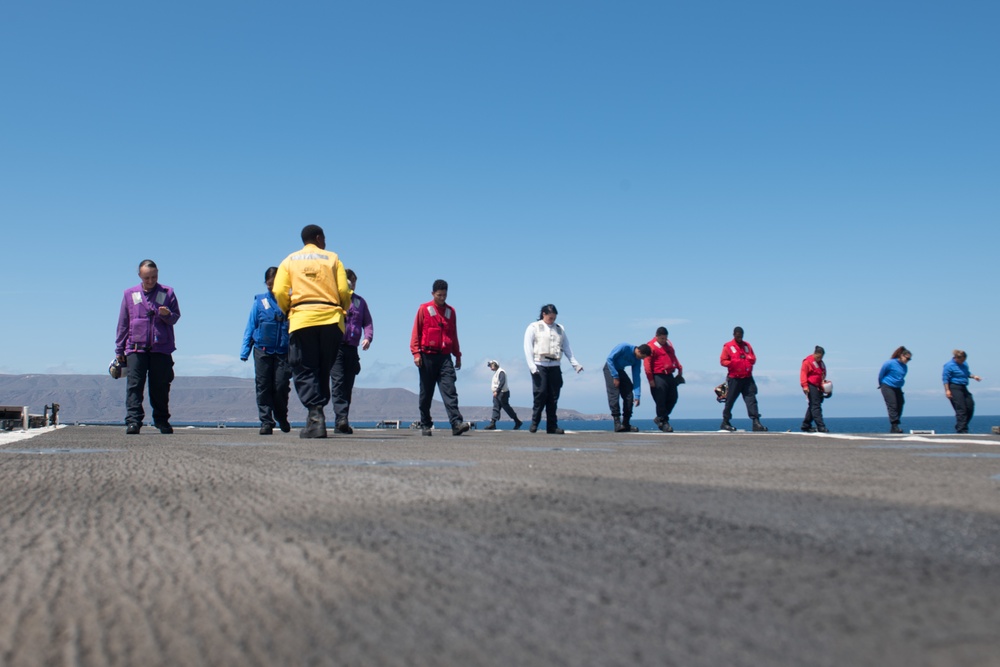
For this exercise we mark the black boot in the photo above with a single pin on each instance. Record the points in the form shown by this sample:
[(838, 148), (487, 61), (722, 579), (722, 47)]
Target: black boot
[(492, 426), (726, 426), (315, 424), (517, 424), (757, 426)]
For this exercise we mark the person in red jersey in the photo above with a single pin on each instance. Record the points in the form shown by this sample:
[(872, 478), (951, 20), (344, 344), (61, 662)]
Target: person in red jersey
[(739, 358), (433, 342), (811, 377), (660, 367)]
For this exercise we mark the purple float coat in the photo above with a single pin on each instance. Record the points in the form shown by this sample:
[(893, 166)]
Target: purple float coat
[(359, 322), (140, 326)]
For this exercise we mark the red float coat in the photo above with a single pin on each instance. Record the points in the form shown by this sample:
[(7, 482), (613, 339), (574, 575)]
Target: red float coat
[(813, 372), (730, 357), (662, 360), (434, 331)]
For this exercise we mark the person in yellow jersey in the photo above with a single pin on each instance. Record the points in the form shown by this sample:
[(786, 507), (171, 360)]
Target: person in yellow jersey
[(311, 288)]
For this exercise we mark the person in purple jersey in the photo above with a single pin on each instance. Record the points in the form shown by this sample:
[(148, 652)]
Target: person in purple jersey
[(144, 342), (346, 367)]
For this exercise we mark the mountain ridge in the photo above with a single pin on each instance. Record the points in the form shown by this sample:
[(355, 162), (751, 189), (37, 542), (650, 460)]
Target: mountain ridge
[(99, 398)]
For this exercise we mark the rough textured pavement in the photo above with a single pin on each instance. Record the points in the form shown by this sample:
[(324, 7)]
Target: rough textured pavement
[(222, 547)]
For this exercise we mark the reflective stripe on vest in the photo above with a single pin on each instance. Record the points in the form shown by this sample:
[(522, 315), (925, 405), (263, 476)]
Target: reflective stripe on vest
[(433, 312)]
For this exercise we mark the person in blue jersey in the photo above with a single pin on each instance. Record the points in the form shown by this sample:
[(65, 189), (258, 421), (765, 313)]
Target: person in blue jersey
[(890, 382), (955, 377), (620, 386), (267, 336)]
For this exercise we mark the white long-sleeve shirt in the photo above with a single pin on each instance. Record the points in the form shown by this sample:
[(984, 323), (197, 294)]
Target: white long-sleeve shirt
[(529, 346)]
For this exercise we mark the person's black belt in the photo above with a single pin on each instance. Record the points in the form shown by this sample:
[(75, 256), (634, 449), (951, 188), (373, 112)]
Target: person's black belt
[(319, 303)]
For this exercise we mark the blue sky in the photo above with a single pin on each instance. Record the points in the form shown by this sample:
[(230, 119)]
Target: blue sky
[(818, 173)]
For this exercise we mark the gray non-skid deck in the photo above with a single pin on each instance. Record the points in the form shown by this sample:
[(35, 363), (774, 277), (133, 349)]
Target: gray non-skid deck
[(222, 547)]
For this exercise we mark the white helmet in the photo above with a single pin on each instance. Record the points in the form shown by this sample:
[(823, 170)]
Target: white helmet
[(827, 387)]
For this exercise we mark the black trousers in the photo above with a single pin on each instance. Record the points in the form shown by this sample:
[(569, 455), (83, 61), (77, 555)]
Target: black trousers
[(745, 387), (311, 352), (502, 400), (664, 391), (273, 376), (893, 402), (439, 370), (623, 391), (158, 369), (546, 383), (964, 406), (814, 411), (345, 369)]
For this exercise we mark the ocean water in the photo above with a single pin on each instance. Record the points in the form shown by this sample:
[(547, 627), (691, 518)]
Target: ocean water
[(981, 425), (943, 424)]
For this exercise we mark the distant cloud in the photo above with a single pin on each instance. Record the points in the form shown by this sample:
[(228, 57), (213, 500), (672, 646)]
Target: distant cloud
[(858, 369), (380, 375), (61, 368), (212, 364), (771, 374), (926, 393), (65, 368)]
